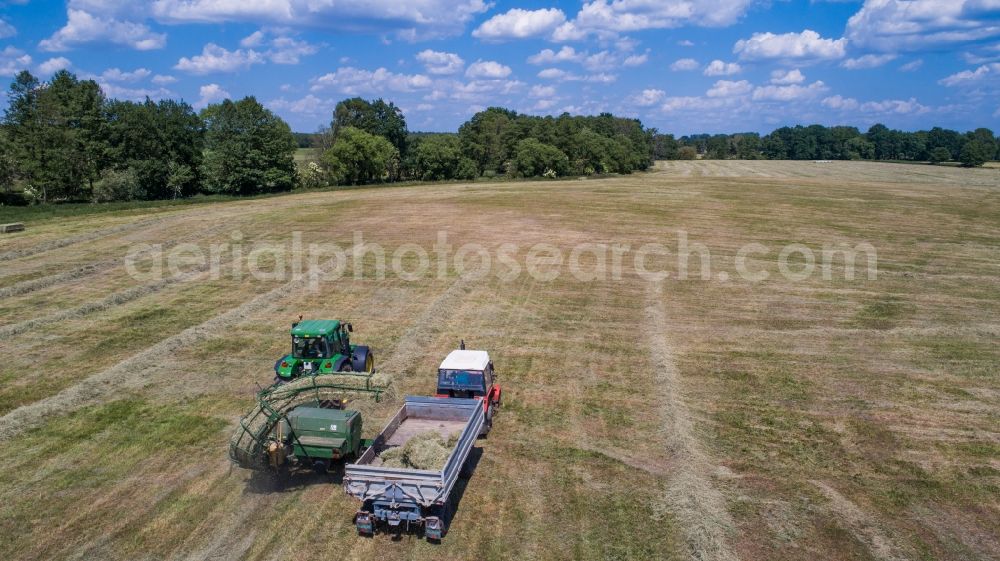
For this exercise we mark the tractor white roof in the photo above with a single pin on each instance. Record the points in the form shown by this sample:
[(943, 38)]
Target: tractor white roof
[(466, 360)]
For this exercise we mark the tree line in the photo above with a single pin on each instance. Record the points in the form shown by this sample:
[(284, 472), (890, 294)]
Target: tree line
[(62, 140), (368, 141), (818, 142)]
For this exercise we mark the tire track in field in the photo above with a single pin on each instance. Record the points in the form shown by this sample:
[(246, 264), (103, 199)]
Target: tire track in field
[(698, 506), (40, 283), (80, 238), (138, 370), (426, 326), (862, 526)]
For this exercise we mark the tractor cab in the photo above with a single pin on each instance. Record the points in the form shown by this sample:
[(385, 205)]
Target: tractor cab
[(322, 347), (469, 374)]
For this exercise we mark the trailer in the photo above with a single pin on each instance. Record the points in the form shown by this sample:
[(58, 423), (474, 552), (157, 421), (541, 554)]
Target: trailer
[(402, 499)]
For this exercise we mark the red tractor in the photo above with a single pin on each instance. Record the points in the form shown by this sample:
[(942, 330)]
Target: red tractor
[(469, 374)]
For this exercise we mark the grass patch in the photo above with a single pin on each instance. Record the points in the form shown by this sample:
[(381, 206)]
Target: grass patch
[(883, 313)]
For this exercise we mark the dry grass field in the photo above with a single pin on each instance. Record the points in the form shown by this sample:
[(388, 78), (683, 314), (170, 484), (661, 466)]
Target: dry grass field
[(719, 419)]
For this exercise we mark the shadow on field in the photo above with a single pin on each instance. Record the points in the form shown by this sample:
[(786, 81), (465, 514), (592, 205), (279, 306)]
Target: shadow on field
[(267, 482)]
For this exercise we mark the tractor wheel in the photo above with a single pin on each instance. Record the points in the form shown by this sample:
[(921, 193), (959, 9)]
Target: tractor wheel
[(370, 363), (488, 422)]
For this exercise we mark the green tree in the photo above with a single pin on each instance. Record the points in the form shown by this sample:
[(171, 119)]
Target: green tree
[(58, 133), (975, 153), (687, 153), (939, 154), (859, 148), (490, 138), (359, 157), (377, 117), (8, 167), (248, 149), (437, 157), (665, 147), (534, 158), (161, 142)]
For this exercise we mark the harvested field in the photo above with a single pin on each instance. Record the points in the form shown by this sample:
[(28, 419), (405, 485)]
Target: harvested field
[(788, 417)]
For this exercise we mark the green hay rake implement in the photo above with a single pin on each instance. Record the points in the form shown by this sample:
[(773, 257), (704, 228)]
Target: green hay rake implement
[(249, 444)]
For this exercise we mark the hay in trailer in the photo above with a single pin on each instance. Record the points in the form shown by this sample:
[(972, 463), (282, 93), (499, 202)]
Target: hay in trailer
[(428, 451)]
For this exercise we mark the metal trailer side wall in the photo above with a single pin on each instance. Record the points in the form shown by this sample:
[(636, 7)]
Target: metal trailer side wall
[(424, 487)]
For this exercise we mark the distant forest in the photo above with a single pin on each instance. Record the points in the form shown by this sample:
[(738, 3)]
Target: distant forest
[(63, 141)]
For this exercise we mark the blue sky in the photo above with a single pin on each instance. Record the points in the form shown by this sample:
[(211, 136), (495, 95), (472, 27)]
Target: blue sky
[(683, 66)]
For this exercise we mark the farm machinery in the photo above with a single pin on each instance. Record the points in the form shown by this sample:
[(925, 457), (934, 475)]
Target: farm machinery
[(322, 347), (396, 498), (303, 419), (403, 477), (305, 423)]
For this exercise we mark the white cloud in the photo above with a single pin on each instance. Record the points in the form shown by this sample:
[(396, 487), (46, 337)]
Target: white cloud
[(13, 61), (608, 18), (702, 104), (353, 81), (54, 65), (895, 25), (885, 107), (308, 105), (719, 68), (895, 106), (117, 75), (115, 91), (635, 15), (487, 69), (636, 60), (162, 79), (553, 74), (214, 58), (409, 20), (255, 39), (7, 30), (729, 88), (542, 91), (601, 78), (840, 103), (287, 50), (83, 27), (564, 76), (867, 61), (548, 56), (520, 24), (792, 92), (684, 64), (805, 45), (479, 91), (912, 65), (278, 46), (603, 60), (970, 76), (685, 43), (648, 97), (784, 78), (210, 93), (440, 63)]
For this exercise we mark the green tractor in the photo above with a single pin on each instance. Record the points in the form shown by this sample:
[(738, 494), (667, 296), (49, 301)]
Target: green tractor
[(322, 346)]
